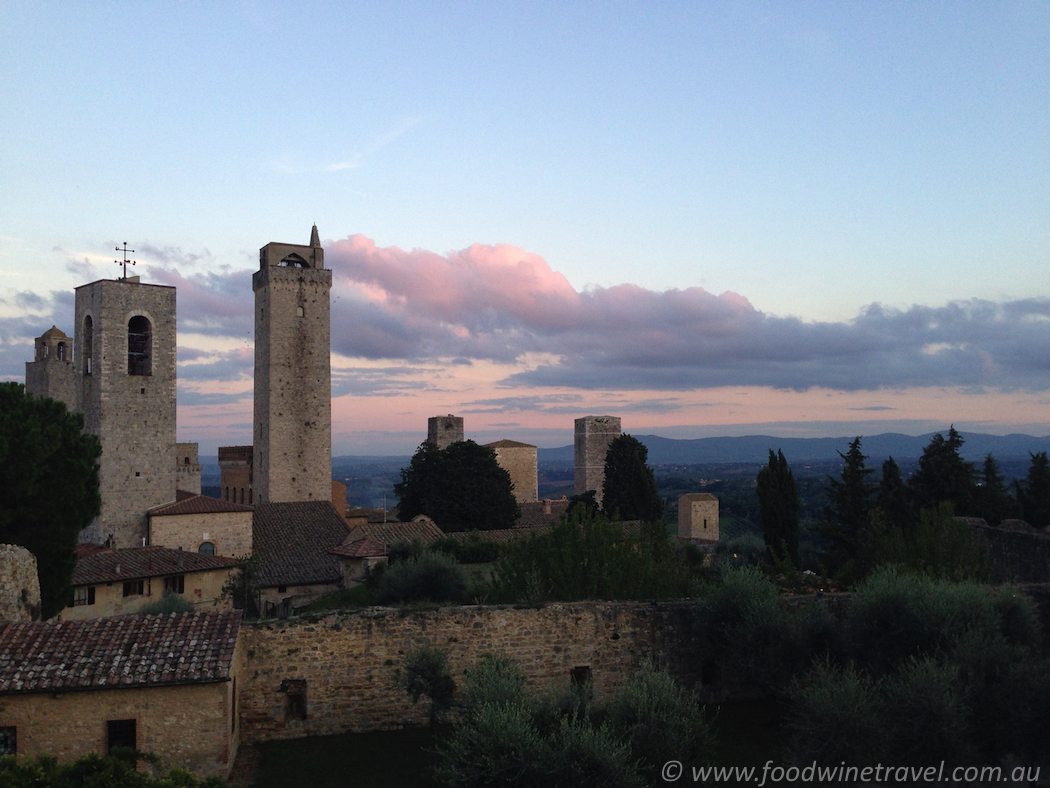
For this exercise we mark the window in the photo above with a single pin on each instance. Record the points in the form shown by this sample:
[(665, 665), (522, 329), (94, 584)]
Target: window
[(295, 699), (134, 588), (249, 496), (176, 584), (120, 733), (206, 548), (89, 343), (61, 351), (8, 740), (83, 596), (140, 346), (299, 311), (580, 676), (227, 496), (185, 460)]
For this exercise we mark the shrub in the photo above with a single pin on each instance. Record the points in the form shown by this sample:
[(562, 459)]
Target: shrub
[(495, 680), (659, 722), (499, 746), (745, 550), (589, 757), (430, 577), (473, 549), (424, 673), (927, 717), (169, 603)]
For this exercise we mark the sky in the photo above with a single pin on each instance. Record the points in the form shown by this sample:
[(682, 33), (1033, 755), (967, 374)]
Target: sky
[(722, 218)]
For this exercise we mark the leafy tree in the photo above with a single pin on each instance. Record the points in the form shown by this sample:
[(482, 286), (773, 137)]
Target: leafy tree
[(1034, 493), (242, 587), (430, 576), (994, 502), (461, 488), (847, 515), (424, 673), (49, 489), (778, 503), (944, 476), (629, 490)]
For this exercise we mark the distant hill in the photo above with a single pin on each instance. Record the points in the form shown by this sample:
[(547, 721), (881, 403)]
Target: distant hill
[(755, 448)]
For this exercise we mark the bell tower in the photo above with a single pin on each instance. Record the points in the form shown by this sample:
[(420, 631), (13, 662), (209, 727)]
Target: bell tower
[(292, 458)]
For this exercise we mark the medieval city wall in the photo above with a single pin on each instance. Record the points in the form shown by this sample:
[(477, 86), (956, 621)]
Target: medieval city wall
[(346, 663), (19, 584)]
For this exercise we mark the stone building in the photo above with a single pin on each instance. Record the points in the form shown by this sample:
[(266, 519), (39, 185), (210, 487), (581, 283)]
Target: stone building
[(118, 582), (292, 441), (235, 482), (165, 684), (204, 525), (125, 367), (187, 468), (443, 431), (50, 373), (19, 584), (591, 443), (698, 517), (519, 460)]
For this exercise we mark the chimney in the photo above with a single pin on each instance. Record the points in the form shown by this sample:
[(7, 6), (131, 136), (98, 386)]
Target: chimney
[(546, 505)]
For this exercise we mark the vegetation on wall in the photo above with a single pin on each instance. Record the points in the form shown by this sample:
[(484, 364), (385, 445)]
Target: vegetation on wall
[(108, 771), (49, 490), (461, 488)]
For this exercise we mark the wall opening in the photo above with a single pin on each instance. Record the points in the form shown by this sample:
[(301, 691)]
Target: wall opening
[(8, 740), (206, 548), (294, 699), (89, 343), (121, 733), (140, 346), (580, 676)]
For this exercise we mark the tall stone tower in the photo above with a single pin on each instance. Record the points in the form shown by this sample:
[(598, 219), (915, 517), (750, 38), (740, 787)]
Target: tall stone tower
[(443, 431), (125, 374), (51, 373), (292, 455), (591, 443)]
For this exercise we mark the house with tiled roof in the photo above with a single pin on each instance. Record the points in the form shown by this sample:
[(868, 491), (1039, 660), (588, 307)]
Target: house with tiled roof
[(110, 582), (293, 542), (166, 684), (367, 544), (201, 524)]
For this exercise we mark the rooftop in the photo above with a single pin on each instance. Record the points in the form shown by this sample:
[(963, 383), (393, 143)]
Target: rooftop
[(293, 540), (131, 563)]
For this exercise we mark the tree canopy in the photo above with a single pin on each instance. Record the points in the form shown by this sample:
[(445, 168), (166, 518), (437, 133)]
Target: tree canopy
[(49, 488), (779, 505), (461, 488), (1033, 493), (629, 490), (846, 517), (944, 476)]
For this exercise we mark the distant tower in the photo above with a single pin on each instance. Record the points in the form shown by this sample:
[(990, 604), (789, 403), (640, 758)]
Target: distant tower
[(698, 517), (443, 431), (292, 456), (51, 372), (125, 373), (593, 436), (519, 460)]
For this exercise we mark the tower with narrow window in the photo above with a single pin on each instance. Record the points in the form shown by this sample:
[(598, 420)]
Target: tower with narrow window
[(51, 373), (125, 378), (292, 451)]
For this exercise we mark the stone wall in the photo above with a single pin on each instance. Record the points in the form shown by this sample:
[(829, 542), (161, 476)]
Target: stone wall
[(230, 532), (698, 516), (346, 663), (19, 584), (443, 431), (187, 468), (1014, 556), (591, 440), (519, 460)]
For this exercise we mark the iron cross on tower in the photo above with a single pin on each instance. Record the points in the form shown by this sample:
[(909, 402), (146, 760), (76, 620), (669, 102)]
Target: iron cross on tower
[(125, 261)]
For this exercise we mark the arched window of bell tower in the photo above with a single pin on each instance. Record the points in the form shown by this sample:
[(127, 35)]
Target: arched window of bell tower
[(61, 351), (140, 346), (89, 343), (294, 261)]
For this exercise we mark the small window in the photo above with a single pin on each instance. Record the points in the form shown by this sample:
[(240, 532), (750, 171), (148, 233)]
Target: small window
[(580, 676), (176, 584), (299, 311), (140, 346), (186, 461), (83, 596), (295, 699), (705, 523), (249, 496), (282, 589), (61, 351), (8, 740), (206, 548), (120, 733), (134, 588), (89, 342)]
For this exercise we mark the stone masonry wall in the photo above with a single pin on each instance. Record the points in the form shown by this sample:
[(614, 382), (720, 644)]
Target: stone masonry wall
[(19, 584), (230, 532), (520, 462), (347, 662)]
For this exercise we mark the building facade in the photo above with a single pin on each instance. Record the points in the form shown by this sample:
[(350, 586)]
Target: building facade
[(443, 431)]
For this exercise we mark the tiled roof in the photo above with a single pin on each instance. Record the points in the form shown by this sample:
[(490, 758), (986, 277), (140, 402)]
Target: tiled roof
[(700, 496), (116, 652), (293, 541), (54, 332), (364, 547), (372, 539), (197, 504), (506, 443), (533, 513), (130, 563)]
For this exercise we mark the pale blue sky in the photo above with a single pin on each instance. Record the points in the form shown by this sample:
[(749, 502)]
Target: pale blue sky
[(814, 158)]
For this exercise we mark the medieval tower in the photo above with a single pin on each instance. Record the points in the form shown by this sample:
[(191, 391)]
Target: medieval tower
[(125, 380), (51, 373), (443, 431), (292, 450), (590, 445)]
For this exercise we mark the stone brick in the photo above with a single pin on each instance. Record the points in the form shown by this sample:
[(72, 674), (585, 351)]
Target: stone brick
[(593, 434), (19, 584)]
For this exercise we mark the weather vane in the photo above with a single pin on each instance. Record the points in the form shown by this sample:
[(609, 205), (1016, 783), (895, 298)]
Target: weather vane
[(125, 261)]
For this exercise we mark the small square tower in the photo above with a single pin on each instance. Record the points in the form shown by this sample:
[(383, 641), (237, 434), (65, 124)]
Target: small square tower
[(443, 431), (698, 517), (591, 444), (292, 453)]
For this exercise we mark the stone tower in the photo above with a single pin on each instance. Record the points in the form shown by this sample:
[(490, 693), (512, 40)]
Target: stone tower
[(50, 373), (519, 460), (292, 454), (125, 376), (698, 517), (443, 431), (592, 439)]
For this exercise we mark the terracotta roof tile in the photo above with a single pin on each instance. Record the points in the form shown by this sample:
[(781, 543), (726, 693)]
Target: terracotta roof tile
[(117, 652), (360, 548), (507, 443), (197, 504), (130, 563), (293, 541)]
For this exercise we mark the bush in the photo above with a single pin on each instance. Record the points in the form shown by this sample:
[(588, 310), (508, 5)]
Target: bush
[(427, 577), (495, 680), (110, 771), (659, 722), (744, 550), (424, 673), (169, 603), (471, 550), (499, 746), (585, 756)]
